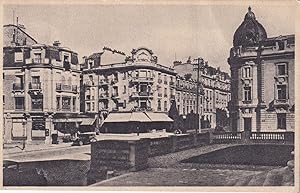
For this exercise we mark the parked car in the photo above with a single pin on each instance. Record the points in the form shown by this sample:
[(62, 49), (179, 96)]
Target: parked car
[(85, 138), (14, 174)]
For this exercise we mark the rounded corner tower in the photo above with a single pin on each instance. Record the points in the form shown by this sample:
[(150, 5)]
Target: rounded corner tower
[(250, 32)]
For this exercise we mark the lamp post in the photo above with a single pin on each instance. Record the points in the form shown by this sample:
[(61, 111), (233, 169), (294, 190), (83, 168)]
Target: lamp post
[(197, 67)]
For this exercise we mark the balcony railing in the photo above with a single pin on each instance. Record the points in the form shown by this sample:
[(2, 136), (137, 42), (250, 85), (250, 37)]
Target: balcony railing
[(18, 86), (35, 86), (103, 95), (142, 94), (142, 79), (103, 81), (281, 101), (66, 88)]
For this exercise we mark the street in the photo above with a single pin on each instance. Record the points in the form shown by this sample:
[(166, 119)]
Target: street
[(68, 152)]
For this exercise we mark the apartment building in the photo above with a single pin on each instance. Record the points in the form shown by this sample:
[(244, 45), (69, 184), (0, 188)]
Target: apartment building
[(40, 88), (130, 84), (215, 90)]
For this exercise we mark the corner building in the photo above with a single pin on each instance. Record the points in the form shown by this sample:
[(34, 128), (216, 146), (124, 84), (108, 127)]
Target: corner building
[(114, 82), (262, 71), (40, 88)]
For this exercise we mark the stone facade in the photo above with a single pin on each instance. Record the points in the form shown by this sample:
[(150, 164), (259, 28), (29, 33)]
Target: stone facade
[(262, 70), (41, 86), (135, 83), (215, 85)]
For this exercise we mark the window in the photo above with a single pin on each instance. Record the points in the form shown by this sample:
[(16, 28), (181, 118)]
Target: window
[(165, 79), (165, 106), (37, 57), (58, 103), (124, 89), (247, 93), (66, 63), (66, 103), (37, 103), (281, 45), (88, 106), (88, 94), (115, 91), (281, 121), (19, 103), (165, 93), (124, 75), (143, 73), (35, 79), (144, 104), (93, 106), (281, 69), (159, 105), (281, 91), (74, 104), (18, 56), (246, 73)]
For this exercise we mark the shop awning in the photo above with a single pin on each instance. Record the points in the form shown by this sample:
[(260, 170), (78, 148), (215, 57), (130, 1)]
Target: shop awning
[(139, 117), (159, 117), (65, 120), (88, 121), (117, 117)]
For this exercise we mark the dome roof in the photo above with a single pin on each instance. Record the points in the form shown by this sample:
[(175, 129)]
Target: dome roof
[(250, 32)]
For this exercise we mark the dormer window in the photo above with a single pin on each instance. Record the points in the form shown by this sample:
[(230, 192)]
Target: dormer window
[(19, 56)]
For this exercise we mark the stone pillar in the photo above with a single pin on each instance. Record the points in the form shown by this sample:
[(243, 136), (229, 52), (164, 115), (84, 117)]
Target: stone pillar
[(48, 126), (29, 130), (8, 129)]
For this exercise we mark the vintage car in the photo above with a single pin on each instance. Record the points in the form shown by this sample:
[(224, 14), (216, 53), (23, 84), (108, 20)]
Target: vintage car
[(85, 138)]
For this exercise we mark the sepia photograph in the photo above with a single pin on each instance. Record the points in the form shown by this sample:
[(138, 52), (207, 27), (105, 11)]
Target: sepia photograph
[(167, 94)]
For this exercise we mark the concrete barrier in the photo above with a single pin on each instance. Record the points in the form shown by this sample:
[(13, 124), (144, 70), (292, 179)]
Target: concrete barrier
[(117, 156)]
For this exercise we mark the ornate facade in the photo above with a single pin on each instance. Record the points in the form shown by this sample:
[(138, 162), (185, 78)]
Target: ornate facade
[(40, 89), (132, 83), (215, 90), (262, 71)]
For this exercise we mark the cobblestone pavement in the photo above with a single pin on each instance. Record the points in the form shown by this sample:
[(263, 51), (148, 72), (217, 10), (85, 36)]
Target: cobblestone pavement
[(172, 159), (167, 170)]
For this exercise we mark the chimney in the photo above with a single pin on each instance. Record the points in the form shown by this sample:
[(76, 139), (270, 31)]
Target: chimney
[(56, 43)]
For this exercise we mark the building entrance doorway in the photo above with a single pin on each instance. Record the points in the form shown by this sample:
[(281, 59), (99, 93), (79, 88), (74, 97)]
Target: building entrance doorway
[(247, 124)]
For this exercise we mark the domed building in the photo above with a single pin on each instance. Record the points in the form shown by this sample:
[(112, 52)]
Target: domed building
[(262, 85)]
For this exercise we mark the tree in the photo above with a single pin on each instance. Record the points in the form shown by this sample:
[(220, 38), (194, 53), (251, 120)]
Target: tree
[(174, 114)]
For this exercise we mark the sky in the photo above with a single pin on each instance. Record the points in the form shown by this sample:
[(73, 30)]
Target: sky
[(172, 32)]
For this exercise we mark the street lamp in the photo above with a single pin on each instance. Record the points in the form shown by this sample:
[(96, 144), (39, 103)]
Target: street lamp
[(197, 67)]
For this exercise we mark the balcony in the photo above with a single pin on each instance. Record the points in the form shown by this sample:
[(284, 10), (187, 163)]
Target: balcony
[(142, 79), (66, 88), (104, 96), (35, 86), (114, 81), (281, 102), (18, 87), (142, 95), (115, 96), (103, 82)]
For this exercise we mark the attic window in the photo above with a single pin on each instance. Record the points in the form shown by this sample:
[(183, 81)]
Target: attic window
[(281, 45)]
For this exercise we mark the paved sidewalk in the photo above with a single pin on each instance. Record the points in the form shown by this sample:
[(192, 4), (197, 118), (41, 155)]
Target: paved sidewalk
[(10, 149)]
